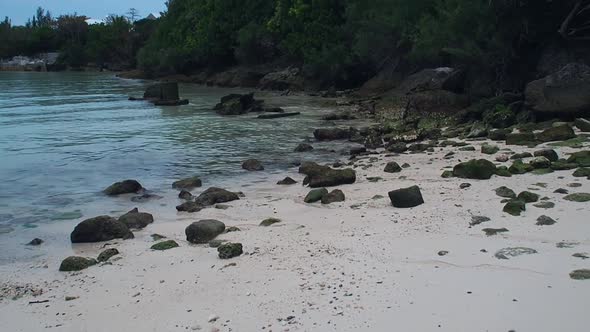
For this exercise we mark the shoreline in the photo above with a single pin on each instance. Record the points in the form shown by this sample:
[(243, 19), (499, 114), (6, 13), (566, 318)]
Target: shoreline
[(350, 266)]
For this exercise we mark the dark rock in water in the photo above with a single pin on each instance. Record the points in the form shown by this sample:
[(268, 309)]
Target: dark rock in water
[(489, 149), (582, 124), (236, 104), (475, 169), (507, 253), (518, 167), (392, 167), (252, 165), (188, 183), (583, 274), (578, 197), (550, 154), (524, 138), (107, 254), (277, 115), (178, 102), (162, 92), (406, 197), (324, 176), (144, 198), (358, 150), (333, 197), (165, 245), (214, 196), (75, 263), (515, 207), (287, 181), (269, 221), (521, 155), (494, 231), (123, 187), (582, 172), (230, 250), (545, 221), (204, 231), (315, 195), (98, 229), (581, 158), (540, 163), (397, 147), (35, 242), (505, 192), (136, 220), (330, 134), (303, 147), (185, 195), (559, 133), (476, 220), (190, 207)]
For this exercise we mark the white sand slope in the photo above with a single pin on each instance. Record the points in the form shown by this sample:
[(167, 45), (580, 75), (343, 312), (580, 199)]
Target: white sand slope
[(361, 265)]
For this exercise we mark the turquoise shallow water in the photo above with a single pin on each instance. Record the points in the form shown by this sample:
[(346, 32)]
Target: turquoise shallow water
[(66, 136)]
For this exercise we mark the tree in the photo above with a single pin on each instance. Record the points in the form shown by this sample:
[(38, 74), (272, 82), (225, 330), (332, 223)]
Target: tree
[(132, 14)]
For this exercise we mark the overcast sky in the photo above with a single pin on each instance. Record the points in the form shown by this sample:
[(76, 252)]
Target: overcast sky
[(19, 11)]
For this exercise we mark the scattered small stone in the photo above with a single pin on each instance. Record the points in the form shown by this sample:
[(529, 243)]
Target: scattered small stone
[(107, 254), (476, 220), (232, 229), (165, 245), (212, 318), (574, 185), (489, 149), (443, 253), (230, 250), (545, 205), (545, 221), (157, 237), (222, 206), (507, 253), (514, 207), (464, 185), (315, 195), (505, 192), (392, 167), (583, 274), (35, 242), (581, 255), (494, 231), (76, 263), (566, 245), (561, 191), (269, 221), (72, 298), (502, 158), (216, 243), (333, 197), (204, 231), (287, 181), (406, 165)]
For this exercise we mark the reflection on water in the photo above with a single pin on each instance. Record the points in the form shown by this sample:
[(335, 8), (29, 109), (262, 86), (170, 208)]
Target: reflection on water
[(66, 136)]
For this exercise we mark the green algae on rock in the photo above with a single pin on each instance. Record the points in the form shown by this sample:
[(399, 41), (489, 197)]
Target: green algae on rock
[(76, 263), (578, 197), (165, 245)]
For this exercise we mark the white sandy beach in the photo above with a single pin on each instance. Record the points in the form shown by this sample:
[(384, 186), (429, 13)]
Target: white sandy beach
[(361, 265)]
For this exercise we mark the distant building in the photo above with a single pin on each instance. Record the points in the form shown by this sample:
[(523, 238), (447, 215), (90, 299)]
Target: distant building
[(151, 17)]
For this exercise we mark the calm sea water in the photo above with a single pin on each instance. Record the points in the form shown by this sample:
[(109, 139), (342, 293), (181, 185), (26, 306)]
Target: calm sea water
[(66, 136)]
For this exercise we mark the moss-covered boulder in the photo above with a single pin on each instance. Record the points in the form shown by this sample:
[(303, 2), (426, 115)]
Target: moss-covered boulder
[(528, 197), (123, 187), (397, 147), (475, 169), (188, 183), (547, 153), (578, 197), (334, 196), (204, 231), (525, 138), (519, 167), (105, 255), (165, 245), (563, 165), (406, 197), (558, 133), (230, 250), (489, 149), (500, 116), (498, 134), (505, 192), (514, 207), (447, 174), (582, 172), (581, 158), (503, 172), (521, 155), (540, 162), (315, 195), (270, 221), (99, 229), (76, 263), (392, 167)]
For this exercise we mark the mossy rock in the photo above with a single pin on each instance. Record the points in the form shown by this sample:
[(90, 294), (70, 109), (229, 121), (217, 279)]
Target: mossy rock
[(514, 207), (577, 142), (76, 263), (557, 133), (528, 197), (230, 250), (519, 167), (315, 195), (542, 171), (270, 221), (521, 139), (500, 116), (107, 254), (447, 174), (540, 162), (503, 172), (582, 172), (165, 245), (521, 155), (547, 153), (562, 165), (578, 197), (475, 169), (583, 274), (505, 192), (489, 149)]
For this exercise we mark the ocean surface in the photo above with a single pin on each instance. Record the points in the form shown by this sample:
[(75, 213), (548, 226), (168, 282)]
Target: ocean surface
[(64, 137)]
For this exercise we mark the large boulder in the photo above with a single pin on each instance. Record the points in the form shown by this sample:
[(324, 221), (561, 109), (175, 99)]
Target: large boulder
[(567, 90), (99, 229), (330, 134), (558, 133), (136, 220), (188, 183), (214, 196), (236, 104), (76, 263), (324, 176), (581, 158), (475, 169), (406, 197), (204, 231), (123, 187)]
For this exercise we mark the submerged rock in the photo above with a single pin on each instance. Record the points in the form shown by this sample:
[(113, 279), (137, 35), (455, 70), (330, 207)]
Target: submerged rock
[(252, 165), (507, 253), (107, 254), (330, 134), (187, 196), (165, 245), (406, 197), (35, 242), (269, 221), (188, 183), (76, 263), (123, 187), (303, 147), (475, 169), (230, 250), (333, 197), (136, 220), (204, 231), (315, 195), (287, 181), (98, 229)]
